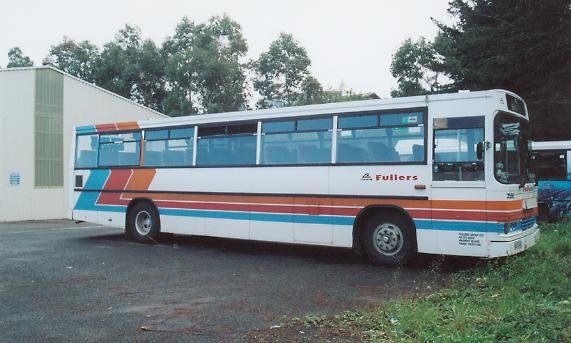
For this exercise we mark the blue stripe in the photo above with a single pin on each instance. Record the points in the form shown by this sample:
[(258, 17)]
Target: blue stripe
[(264, 217), (441, 225), (86, 129), (96, 180)]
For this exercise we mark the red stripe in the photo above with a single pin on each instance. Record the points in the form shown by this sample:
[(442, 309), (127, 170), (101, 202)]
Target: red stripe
[(105, 127), (117, 180)]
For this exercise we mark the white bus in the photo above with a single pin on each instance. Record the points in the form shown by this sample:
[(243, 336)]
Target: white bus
[(439, 174)]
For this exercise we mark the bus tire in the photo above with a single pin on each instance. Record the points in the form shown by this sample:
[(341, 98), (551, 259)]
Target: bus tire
[(144, 223), (388, 238), (543, 212)]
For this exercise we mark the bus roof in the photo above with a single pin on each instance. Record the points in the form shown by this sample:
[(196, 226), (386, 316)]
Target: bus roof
[(299, 111)]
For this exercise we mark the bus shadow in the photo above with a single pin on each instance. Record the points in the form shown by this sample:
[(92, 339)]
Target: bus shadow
[(313, 253), (318, 254)]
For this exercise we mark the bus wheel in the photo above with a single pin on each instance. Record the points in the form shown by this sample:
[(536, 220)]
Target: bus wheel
[(543, 213), (388, 239), (144, 223)]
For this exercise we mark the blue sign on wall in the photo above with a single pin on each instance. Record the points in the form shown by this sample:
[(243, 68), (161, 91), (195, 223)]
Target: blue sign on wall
[(14, 179)]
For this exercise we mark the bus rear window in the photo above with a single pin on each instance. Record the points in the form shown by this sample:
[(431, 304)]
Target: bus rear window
[(86, 151)]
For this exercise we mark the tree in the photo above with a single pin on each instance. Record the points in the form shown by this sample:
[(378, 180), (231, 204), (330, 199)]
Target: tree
[(179, 70), (203, 67), (78, 59), (414, 65), (220, 76), (132, 67), (149, 86), (117, 69), (519, 45), (342, 95), (280, 71), (311, 92), (16, 59)]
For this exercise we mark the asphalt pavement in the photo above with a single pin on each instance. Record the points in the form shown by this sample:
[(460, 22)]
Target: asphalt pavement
[(61, 281)]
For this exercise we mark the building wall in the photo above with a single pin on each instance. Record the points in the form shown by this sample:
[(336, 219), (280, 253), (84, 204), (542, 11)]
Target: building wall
[(17, 92), (19, 114)]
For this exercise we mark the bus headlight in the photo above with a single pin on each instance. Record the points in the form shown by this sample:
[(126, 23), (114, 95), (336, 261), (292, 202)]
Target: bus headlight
[(510, 227)]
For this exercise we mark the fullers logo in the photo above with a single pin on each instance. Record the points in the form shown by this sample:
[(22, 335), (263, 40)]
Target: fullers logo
[(366, 177), (388, 177), (395, 177)]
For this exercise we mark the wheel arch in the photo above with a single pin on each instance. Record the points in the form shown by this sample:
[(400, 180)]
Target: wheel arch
[(369, 210)]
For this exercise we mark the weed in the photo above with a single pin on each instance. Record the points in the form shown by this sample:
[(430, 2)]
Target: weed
[(521, 298), (313, 320)]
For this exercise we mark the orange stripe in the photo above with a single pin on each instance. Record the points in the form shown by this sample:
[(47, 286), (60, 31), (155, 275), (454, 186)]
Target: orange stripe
[(141, 179), (478, 205), (129, 125)]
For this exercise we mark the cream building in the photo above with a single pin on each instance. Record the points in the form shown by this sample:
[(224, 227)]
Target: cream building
[(39, 107)]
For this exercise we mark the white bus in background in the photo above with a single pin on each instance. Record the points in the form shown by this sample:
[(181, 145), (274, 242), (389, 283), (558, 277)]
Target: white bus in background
[(439, 174)]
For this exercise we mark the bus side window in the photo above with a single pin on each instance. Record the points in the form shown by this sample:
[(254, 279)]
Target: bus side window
[(168, 148), (122, 149), (303, 141), (227, 145), (381, 138)]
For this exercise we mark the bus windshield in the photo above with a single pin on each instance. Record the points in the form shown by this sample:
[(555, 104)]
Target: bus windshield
[(511, 152)]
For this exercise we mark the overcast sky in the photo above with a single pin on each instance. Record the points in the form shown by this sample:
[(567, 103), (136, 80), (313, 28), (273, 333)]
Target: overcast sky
[(349, 42)]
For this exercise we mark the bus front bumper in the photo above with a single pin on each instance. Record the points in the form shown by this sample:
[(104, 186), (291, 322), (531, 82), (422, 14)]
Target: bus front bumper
[(514, 245)]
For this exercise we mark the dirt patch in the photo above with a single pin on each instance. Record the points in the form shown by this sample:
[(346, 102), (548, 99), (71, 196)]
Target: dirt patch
[(299, 332)]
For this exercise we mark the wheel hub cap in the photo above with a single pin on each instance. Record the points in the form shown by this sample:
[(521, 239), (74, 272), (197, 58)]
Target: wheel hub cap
[(388, 239), (143, 223)]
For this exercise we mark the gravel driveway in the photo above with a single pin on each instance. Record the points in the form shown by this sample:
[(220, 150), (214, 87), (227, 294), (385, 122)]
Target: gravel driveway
[(61, 281)]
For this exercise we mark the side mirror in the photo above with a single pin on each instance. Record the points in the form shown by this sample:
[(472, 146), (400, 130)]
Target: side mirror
[(480, 151)]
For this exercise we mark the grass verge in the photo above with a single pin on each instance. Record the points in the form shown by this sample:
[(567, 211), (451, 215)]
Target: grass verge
[(521, 298)]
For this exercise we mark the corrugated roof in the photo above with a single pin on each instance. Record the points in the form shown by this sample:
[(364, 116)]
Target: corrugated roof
[(86, 83)]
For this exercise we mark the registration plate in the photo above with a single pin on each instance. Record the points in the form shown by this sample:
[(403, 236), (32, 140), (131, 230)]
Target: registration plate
[(517, 245)]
